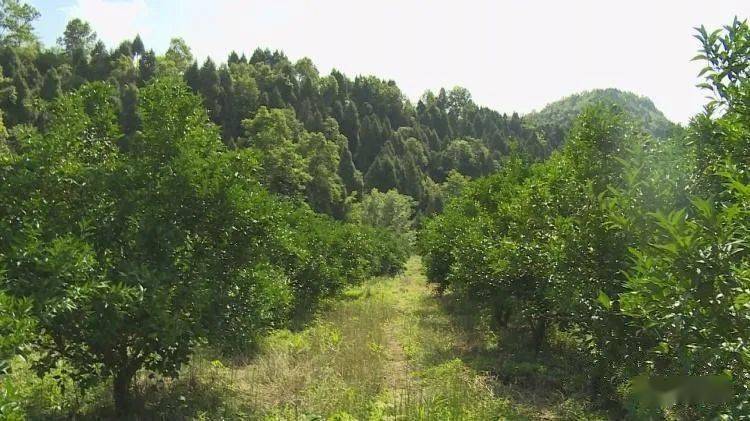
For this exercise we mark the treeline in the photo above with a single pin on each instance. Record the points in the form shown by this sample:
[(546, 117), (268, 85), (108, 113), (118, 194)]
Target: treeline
[(372, 135), (636, 248)]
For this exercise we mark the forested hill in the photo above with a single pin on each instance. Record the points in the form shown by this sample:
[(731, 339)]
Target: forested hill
[(556, 119), (339, 137)]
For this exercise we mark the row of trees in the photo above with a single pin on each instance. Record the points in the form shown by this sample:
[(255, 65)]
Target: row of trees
[(636, 247), (126, 252), (382, 140)]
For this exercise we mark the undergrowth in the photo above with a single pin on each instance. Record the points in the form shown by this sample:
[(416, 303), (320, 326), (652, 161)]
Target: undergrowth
[(387, 350)]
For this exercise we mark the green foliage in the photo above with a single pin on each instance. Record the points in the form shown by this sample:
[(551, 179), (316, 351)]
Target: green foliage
[(468, 156), (16, 23), (78, 38), (391, 211), (383, 141), (454, 184), (139, 220), (725, 55), (130, 257), (387, 142), (177, 58), (16, 327), (635, 246), (296, 162), (278, 137), (556, 119)]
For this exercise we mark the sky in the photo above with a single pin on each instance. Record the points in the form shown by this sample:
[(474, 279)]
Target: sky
[(513, 55)]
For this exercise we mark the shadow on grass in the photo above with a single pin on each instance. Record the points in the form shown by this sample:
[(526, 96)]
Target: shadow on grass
[(553, 382), (206, 396), (337, 343), (203, 392)]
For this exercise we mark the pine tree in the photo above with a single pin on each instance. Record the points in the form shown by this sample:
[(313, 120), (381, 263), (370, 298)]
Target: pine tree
[(233, 58), (192, 77), (147, 67), (138, 48), (129, 119), (210, 89), (100, 63), (52, 86)]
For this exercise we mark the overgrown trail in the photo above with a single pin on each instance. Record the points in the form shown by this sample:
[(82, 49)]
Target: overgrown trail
[(387, 350)]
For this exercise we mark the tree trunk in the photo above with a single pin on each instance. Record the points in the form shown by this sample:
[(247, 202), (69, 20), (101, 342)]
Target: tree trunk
[(539, 334), (121, 393), (502, 317)]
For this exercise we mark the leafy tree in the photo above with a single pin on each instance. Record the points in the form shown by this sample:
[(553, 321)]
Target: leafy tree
[(124, 71), (78, 38), (454, 184), (688, 284), (129, 118), (278, 137), (127, 263), (16, 23), (240, 93), (469, 156), (325, 190), (390, 210), (633, 246), (177, 59), (124, 49), (16, 328)]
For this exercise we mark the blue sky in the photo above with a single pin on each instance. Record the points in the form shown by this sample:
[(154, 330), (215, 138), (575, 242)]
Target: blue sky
[(513, 55)]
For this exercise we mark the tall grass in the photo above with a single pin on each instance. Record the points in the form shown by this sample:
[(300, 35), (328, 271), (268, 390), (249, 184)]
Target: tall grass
[(387, 350)]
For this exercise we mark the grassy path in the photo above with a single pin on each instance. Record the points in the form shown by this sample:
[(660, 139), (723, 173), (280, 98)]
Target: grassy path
[(387, 350)]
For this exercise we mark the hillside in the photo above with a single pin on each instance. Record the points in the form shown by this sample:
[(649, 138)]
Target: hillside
[(373, 136), (556, 119)]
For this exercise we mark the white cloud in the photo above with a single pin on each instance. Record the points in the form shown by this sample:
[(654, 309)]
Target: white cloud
[(113, 21)]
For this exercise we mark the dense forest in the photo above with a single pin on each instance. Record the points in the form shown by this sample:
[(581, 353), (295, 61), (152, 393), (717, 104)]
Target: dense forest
[(338, 137), (153, 208)]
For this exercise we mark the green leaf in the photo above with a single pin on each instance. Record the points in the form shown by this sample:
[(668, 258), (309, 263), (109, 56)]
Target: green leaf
[(705, 70), (704, 207), (604, 300), (742, 301)]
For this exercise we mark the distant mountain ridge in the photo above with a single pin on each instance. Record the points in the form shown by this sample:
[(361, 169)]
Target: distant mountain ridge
[(556, 119)]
